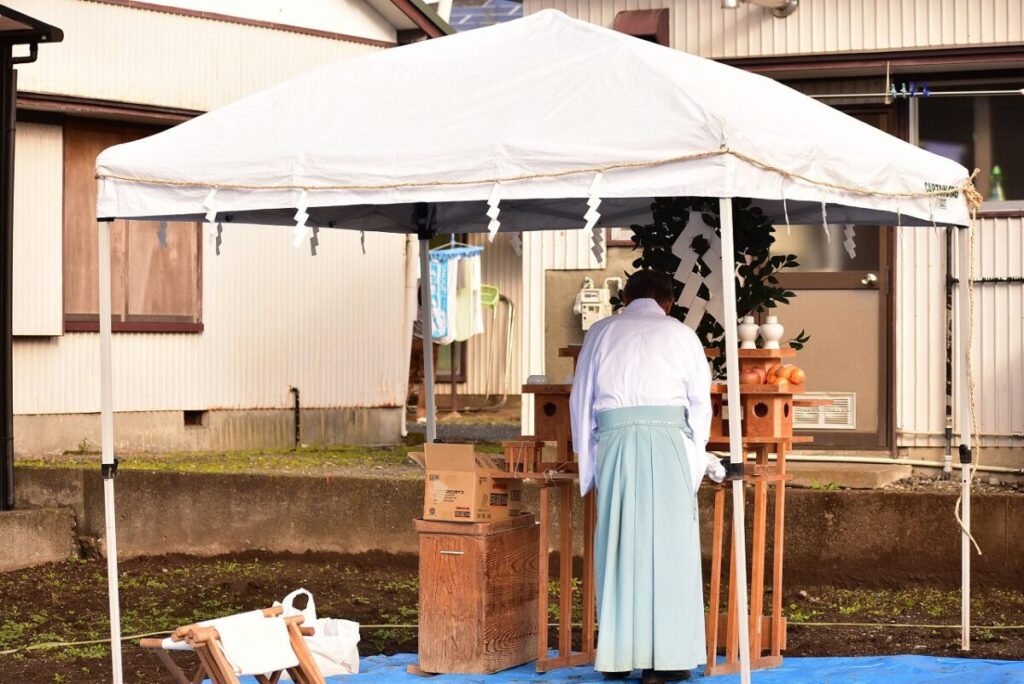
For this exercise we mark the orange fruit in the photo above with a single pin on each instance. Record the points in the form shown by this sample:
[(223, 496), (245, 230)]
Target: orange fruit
[(783, 383), (797, 376), (785, 371), (774, 370)]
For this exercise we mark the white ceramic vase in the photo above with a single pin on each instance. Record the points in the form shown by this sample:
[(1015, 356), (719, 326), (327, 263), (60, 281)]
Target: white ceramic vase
[(747, 331), (771, 332)]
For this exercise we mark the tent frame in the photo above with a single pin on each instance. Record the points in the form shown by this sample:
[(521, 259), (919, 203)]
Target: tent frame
[(425, 229)]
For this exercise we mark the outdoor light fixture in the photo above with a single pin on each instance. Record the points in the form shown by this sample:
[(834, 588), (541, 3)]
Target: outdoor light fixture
[(780, 8)]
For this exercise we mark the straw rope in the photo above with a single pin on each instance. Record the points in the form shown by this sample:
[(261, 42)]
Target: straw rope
[(967, 187), (973, 425)]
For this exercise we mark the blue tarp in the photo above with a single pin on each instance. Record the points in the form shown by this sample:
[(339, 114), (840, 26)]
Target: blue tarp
[(905, 669)]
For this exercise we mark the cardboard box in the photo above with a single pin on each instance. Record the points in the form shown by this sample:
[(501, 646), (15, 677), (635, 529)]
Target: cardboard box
[(461, 485)]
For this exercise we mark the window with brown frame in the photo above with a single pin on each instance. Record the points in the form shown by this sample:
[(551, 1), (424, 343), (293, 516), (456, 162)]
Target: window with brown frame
[(153, 288)]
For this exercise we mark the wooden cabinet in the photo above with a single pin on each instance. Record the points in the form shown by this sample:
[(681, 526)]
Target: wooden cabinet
[(478, 595)]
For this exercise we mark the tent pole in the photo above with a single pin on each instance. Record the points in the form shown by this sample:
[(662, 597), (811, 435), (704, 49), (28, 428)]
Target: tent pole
[(109, 463), (964, 305), (736, 455), (428, 339)]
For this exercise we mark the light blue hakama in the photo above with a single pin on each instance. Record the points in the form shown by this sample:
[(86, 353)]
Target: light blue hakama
[(647, 548)]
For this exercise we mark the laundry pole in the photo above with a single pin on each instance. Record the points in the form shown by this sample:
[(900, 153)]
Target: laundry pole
[(966, 425), (428, 339), (108, 462), (736, 454)]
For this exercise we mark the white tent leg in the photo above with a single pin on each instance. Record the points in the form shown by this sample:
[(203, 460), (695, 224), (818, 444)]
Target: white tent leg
[(428, 340), (964, 305), (736, 455), (107, 445)]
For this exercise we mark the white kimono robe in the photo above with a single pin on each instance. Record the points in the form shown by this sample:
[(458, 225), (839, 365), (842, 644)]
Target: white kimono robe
[(640, 357)]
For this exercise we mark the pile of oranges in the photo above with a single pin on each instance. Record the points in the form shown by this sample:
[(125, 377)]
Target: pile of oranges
[(783, 375)]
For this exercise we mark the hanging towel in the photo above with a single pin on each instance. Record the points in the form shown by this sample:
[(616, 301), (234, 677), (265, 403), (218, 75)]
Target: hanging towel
[(469, 316), (444, 285), (442, 299)]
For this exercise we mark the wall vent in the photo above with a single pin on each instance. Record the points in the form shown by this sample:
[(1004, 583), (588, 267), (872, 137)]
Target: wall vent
[(841, 415)]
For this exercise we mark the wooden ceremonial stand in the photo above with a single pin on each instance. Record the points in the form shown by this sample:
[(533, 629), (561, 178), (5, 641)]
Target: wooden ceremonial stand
[(524, 458), (767, 427)]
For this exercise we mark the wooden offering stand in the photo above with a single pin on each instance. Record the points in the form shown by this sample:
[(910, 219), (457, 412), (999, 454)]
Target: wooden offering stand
[(767, 427), (524, 458)]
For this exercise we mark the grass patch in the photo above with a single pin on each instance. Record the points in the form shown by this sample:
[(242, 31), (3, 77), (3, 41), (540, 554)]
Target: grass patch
[(347, 458)]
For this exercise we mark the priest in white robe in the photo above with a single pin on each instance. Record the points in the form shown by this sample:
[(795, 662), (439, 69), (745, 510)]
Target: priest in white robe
[(641, 415)]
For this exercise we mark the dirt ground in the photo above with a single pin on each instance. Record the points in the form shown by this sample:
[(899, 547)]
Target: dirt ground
[(68, 602)]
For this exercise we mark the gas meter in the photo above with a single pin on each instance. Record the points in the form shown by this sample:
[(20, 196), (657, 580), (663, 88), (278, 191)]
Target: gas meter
[(594, 303)]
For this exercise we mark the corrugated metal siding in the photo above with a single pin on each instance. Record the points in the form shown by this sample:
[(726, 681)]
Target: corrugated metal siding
[(999, 335), (533, 322), (140, 56), (702, 27), (38, 230), (569, 250), (275, 317)]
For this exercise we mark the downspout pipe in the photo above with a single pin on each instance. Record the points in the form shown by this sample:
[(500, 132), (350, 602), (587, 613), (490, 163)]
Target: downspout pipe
[(8, 89), (947, 435), (297, 417)]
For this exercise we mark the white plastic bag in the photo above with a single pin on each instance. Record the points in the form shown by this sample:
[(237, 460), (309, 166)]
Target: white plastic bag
[(334, 644)]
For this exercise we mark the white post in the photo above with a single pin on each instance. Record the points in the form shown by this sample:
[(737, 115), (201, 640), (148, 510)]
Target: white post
[(964, 315), (428, 340), (736, 454), (107, 446)]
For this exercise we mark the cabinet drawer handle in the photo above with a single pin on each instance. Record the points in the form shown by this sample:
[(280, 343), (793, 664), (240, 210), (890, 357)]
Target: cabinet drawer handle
[(452, 553)]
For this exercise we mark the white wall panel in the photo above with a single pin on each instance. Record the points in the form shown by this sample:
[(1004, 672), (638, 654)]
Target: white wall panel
[(999, 335), (154, 58), (274, 317), (351, 17), (703, 27), (38, 229)]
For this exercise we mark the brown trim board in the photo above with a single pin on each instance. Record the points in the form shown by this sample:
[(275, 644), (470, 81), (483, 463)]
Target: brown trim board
[(895, 59), (36, 104)]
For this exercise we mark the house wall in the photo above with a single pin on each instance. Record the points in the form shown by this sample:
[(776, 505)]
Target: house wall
[(999, 335), (274, 317), (124, 54), (703, 28)]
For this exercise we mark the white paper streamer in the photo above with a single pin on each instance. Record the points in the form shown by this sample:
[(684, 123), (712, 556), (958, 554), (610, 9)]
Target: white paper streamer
[(516, 240), (593, 216), (301, 231), (785, 211), (210, 204), (493, 211), (824, 224), (161, 234), (593, 202), (848, 243)]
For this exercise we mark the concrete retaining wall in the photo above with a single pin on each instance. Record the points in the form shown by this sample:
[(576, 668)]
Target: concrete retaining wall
[(36, 536), (162, 431), (853, 537)]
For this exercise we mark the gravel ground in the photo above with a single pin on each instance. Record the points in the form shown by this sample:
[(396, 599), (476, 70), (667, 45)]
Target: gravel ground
[(983, 482)]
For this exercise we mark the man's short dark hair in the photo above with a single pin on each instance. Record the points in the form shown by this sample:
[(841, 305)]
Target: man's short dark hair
[(647, 284)]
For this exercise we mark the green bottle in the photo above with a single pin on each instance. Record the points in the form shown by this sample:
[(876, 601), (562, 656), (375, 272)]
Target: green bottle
[(997, 194)]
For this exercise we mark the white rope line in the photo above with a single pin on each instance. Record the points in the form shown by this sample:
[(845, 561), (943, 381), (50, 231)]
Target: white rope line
[(967, 186), (869, 625)]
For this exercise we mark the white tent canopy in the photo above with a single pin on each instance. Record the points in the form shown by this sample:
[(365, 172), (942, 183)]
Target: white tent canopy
[(520, 121), (539, 105)]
